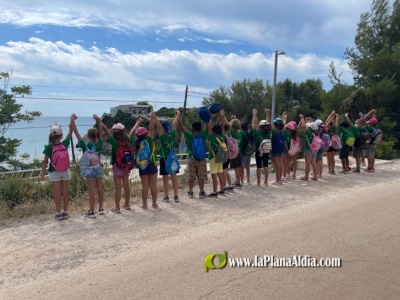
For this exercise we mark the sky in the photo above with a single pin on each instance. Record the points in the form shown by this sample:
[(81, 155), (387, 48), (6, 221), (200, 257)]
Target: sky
[(85, 56)]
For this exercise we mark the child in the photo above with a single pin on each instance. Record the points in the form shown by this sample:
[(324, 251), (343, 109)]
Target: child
[(248, 148), (119, 138), (278, 145), (295, 140), (263, 131), (167, 133), (343, 129), (147, 171), (371, 148), (59, 173), (330, 153), (309, 130), (215, 139), (236, 163), (197, 166), (286, 158), (225, 166), (358, 147), (94, 181), (320, 153)]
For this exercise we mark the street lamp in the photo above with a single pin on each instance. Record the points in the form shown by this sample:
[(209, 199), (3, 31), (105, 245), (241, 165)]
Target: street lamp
[(274, 91)]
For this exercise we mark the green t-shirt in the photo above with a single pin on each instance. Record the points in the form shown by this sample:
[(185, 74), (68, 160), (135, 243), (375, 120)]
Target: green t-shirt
[(344, 134), (48, 150), (356, 132), (213, 144), (82, 145), (368, 128), (167, 143), (307, 137), (114, 146), (189, 139), (238, 136), (260, 136)]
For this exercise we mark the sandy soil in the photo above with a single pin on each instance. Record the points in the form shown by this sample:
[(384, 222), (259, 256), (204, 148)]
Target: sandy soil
[(159, 254)]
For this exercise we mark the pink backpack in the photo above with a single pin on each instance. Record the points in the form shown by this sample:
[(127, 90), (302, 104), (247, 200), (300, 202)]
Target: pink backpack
[(60, 158), (315, 144), (233, 147), (295, 147), (326, 141), (335, 142)]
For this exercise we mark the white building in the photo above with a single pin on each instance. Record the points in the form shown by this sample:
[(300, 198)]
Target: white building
[(134, 109)]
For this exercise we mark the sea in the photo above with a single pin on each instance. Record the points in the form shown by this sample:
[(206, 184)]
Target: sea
[(35, 135)]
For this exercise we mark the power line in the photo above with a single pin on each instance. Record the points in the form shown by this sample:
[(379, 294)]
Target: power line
[(92, 100), (199, 93), (31, 127)]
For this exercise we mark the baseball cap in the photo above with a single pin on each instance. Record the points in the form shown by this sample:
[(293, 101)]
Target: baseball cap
[(263, 123), (56, 130), (312, 126), (167, 126), (372, 121), (290, 126), (318, 122), (141, 131), (118, 126)]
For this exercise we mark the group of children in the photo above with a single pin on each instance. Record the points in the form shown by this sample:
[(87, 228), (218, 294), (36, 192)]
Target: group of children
[(226, 144)]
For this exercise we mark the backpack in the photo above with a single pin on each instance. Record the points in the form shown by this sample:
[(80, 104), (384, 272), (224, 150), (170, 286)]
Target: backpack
[(222, 153), (376, 136), (335, 142), (214, 108), (265, 145), (124, 157), (204, 114), (350, 138), (199, 149), (89, 164), (143, 155), (315, 144), (326, 141), (172, 165), (365, 139), (295, 147), (60, 157), (233, 148), (278, 143), (248, 147)]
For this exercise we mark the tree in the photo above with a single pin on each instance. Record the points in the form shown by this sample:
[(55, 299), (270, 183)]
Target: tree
[(375, 59), (10, 113)]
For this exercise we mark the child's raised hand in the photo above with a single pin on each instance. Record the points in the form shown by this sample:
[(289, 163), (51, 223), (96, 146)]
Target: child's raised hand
[(139, 121), (254, 111), (96, 117), (346, 114), (152, 114), (74, 116), (267, 110), (177, 113), (301, 116)]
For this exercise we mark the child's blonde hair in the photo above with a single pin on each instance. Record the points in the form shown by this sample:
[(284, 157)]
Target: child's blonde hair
[(235, 124)]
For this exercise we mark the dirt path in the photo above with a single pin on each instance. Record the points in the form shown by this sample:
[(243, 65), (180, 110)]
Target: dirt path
[(159, 254)]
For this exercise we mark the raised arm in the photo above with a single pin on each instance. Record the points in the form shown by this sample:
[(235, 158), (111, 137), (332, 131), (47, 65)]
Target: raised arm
[(330, 117), (158, 125), (176, 119), (371, 114), (99, 125), (284, 118), (337, 120), (209, 126), (346, 116), (136, 126), (268, 118), (181, 126), (71, 124), (151, 126), (302, 123), (108, 133), (74, 128), (254, 120)]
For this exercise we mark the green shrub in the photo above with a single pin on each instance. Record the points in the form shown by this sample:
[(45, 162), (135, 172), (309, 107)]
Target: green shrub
[(386, 150)]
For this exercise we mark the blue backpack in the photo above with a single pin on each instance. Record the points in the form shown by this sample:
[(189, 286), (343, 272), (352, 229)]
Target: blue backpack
[(278, 143), (199, 147), (143, 157), (172, 165), (214, 108), (204, 114)]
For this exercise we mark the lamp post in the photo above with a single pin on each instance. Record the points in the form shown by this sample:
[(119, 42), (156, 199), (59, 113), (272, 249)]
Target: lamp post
[(274, 91)]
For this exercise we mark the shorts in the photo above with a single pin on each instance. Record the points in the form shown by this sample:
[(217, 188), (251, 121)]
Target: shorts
[(262, 161), (344, 152), (59, 176), (370, 151), (357, 151), (117, 172), (163, 170), (151, 169), (309, 153), (215, 167), (197, 169), (225, 165), (236, 162), (331, 149), (246, 159), (320, 155), (277, 154)]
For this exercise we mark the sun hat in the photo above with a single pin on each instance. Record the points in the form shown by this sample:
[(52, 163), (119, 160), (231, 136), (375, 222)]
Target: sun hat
[(118, 126), (56, 130), (141, 131), (318, 122), (312, 126), (263, 123), (290, 126), (372, 121), (277, 120)]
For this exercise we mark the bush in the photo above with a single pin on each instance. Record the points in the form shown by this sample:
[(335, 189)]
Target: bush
[(386, 150)]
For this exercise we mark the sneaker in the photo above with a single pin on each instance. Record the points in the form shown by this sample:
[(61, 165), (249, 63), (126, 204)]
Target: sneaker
[(344, 171), (356, 170), (59, 216), (202, 195), (90, 214), (165, 199), (190, 194), (101, 211), (176, 198), (230, 188), (213, 194), (221, 193), (65, 215), (237, 185)]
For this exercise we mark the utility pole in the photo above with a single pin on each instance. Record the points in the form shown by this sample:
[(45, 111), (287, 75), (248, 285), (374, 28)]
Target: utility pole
[(182, 145), (184, 105)]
